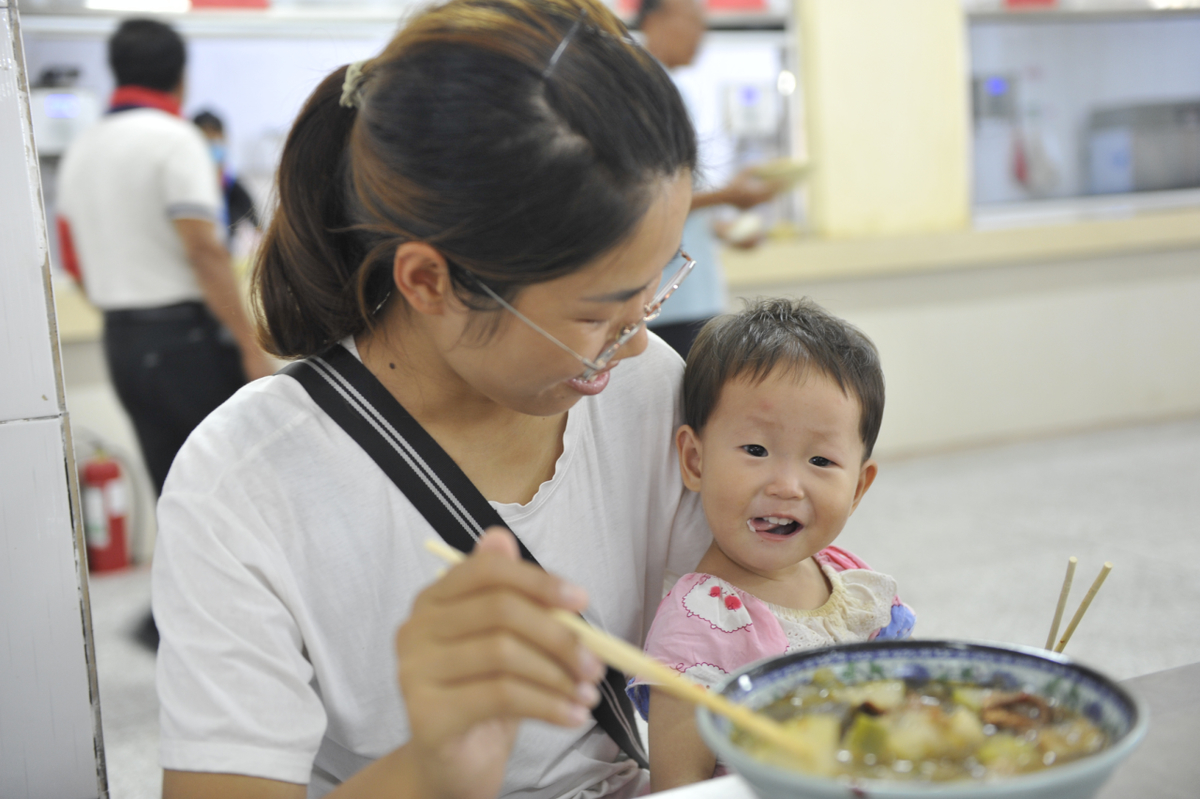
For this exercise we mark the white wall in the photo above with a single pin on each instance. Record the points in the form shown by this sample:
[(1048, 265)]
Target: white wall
[(49, 726), (976, 356), (1065, 70)]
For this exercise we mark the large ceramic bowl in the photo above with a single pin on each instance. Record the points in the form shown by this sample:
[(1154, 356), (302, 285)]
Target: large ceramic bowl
[(1120, 714)]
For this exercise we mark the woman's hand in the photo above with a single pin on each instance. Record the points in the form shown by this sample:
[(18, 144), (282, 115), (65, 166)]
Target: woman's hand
[(478, 654)]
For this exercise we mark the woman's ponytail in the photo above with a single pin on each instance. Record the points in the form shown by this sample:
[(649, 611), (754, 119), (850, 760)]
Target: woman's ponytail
[(305, 281)]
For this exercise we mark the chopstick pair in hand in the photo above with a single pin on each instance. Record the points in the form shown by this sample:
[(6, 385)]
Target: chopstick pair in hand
[(1083, 606), (631, 660)]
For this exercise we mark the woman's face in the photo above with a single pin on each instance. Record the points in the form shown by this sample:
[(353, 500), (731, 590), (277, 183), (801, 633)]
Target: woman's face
[(520, 369)]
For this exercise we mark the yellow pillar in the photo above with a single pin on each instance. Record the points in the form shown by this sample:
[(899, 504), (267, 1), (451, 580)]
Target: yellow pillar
[(887, 115)]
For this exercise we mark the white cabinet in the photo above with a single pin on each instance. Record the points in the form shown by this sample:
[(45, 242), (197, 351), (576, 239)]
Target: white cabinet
[(49, 708)]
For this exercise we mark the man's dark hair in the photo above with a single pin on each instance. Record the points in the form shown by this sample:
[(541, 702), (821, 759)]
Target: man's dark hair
[(207, 120), (645, 9), (780, 333), (145, 52)]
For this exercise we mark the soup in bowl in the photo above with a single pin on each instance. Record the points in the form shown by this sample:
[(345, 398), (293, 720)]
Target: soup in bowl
[(929, 718)]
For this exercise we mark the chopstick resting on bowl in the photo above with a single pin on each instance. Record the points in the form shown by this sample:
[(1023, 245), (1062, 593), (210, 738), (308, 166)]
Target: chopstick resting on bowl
[(631, 660), (1062, 601), (1083, 606)]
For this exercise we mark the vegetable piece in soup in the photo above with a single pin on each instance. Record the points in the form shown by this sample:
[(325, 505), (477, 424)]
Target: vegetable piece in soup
[(933, 731)]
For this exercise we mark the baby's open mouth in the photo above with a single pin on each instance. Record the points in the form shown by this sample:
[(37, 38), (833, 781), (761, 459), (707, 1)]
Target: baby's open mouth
[(775, 525)]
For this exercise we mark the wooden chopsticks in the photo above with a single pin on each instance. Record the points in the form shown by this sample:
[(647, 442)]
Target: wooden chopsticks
[(633, 661), (1083, 606), (1062, 601)]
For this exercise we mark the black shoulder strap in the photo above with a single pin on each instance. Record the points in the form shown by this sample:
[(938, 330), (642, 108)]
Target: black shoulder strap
[(352, 396)]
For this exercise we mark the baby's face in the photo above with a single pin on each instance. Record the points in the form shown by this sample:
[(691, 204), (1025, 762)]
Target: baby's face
[(779, 467)]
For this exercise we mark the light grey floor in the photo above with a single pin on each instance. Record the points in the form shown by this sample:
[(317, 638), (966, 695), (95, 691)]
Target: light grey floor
[(128, 704), (978, 540)]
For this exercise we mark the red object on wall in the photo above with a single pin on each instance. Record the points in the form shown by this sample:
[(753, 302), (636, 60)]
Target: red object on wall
[(745, 6), (105, 514), (66, 248), (231, 4), (629, 8)]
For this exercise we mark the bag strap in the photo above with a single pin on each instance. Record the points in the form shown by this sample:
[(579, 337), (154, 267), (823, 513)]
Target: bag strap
[(347, 391)]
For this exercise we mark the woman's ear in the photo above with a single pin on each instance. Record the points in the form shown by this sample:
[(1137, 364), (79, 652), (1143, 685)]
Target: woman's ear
[(691, 456), (422, 277)]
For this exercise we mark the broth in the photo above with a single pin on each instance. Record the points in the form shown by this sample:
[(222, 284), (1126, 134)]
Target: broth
[(934, 730)]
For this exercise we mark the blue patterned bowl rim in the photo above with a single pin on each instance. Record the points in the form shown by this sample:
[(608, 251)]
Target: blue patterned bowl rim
[(715, 730)]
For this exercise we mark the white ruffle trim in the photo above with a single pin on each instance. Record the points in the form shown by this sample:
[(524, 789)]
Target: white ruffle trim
[(860, 604)]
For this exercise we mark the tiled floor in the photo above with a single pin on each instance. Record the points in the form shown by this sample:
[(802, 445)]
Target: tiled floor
[(979, 541)]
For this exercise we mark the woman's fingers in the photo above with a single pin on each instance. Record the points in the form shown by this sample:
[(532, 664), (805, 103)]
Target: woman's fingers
[(481, 645), (493, 590), (496, 563), (502, 656), (499, 540), (504, 697), (500, 699), (506, 622)]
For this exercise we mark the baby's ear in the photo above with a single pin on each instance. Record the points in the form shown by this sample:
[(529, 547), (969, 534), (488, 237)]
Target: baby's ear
[(691, 459), (866, 476)]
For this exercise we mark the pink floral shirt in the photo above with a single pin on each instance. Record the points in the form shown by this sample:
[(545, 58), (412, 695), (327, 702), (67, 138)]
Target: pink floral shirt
[(706, 628)]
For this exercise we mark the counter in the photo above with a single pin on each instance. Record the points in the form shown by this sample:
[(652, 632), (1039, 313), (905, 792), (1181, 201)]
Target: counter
[(1042, 325), (78, 319), (810, 259), (803, 260)]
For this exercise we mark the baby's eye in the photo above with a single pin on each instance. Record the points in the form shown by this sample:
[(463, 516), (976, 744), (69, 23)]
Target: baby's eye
[(817, 460), (755, 450)]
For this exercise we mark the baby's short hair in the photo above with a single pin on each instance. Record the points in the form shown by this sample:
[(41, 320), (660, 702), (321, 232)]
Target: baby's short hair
[(792, 334)]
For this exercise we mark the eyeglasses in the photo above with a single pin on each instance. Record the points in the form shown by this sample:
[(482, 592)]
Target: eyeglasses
[(650, 312)]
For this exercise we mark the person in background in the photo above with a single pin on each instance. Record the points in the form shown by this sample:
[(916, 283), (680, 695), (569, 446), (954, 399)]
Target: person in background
[(673, 30), (138, 204), (138, 201), (239, 206)]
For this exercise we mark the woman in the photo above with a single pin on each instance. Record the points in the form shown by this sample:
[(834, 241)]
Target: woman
[(481, 214)]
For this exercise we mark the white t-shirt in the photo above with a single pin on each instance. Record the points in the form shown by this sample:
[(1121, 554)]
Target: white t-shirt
[(122, 184), (286, 560)]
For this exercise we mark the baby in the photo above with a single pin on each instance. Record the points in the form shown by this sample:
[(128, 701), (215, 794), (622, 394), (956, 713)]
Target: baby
[(782, 405)]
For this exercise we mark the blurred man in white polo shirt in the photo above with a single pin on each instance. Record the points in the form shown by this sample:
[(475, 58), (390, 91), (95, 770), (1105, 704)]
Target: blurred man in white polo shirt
[(672, 31), (139, 204)]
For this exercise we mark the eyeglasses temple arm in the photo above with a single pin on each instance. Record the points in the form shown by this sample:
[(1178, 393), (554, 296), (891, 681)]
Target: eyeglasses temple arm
[(588, 362)]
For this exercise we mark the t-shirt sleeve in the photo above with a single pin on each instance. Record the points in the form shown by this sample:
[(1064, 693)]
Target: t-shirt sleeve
[(190, 188), (706, 628), (234, 684)]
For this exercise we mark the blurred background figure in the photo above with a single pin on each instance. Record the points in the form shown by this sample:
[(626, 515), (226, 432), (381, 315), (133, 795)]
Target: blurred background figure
[(138, 205), (673, 31), (239, 207)]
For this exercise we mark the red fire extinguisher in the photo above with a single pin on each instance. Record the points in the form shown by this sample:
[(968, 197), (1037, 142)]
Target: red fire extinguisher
[(105, 514)]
